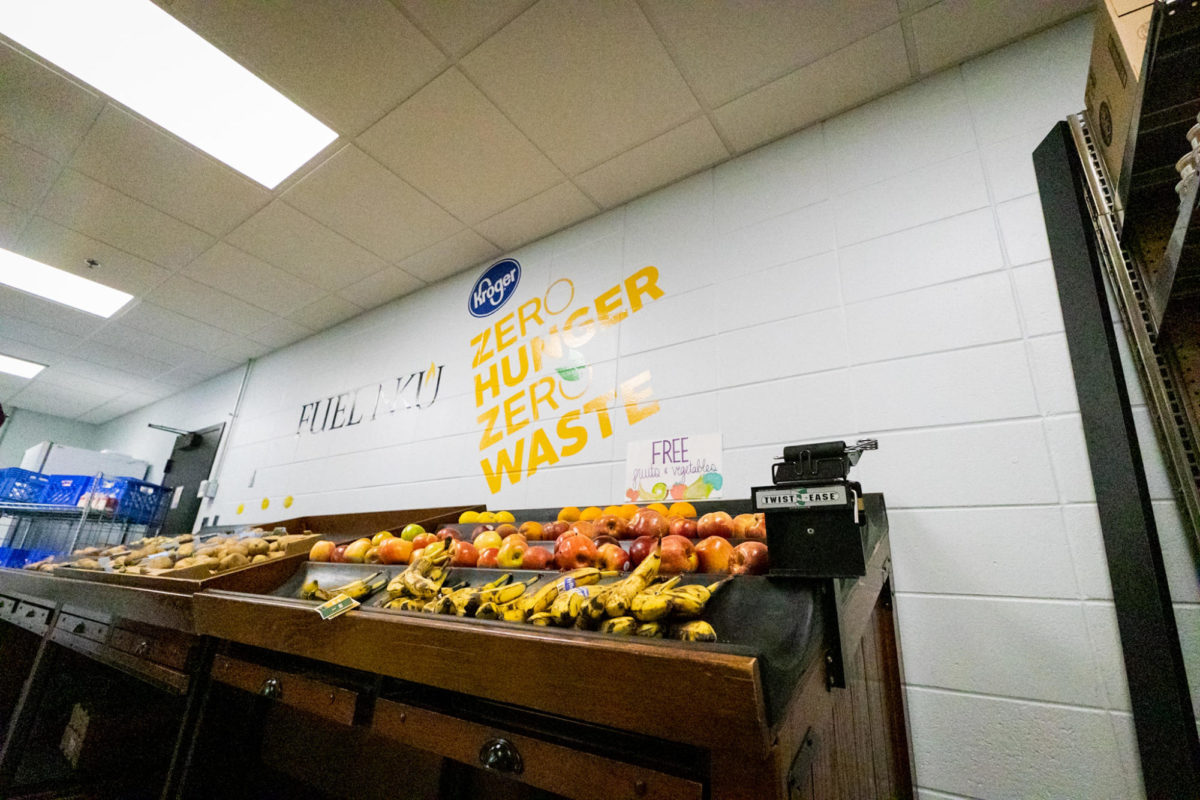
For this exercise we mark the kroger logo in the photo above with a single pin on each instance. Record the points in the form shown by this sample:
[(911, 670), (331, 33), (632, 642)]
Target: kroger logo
[(494, 287)]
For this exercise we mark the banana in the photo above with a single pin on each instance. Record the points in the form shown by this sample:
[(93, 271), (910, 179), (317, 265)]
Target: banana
[(540, 600), (313, 591), (593, 607), (689, 601), (650, 607), (403, 604), (651, 630), (507, 593), (542, 619), (363, 587), (513, 612), (695, 631), (422, 578), (566, 607), (619, 598), (622, 626), (663, 586)]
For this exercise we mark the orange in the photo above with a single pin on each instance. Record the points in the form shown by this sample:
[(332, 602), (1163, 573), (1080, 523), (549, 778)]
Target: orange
[(569, 514), (612, 511), (590, 513), (683, 509), (659, 507), (628, 510)]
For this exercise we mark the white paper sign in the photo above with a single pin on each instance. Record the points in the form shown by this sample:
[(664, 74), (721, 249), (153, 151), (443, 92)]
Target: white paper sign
[(670, 469)]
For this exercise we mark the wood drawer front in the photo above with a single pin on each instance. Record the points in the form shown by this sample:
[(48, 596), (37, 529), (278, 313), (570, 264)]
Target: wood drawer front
[(32, 617), (167, 648), (8, 607), (552, 767), (82, 626), (298, 691)]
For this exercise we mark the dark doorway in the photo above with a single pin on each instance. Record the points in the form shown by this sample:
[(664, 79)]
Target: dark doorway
[(191, 462)]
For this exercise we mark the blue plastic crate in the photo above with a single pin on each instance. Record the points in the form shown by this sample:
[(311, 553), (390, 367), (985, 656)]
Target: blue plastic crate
[(16, 558), (138, 502), (22, 486), (65, 490)]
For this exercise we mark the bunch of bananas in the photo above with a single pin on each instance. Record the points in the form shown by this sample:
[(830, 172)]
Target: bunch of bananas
[(358, 589), (423, 578)]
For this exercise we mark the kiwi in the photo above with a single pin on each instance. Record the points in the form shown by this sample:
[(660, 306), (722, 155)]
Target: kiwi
[(255, 547), (232, 561)]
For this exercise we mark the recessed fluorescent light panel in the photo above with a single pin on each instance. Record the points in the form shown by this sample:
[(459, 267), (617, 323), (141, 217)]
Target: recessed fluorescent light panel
[(59, 285), (19, 366), (143, 57)]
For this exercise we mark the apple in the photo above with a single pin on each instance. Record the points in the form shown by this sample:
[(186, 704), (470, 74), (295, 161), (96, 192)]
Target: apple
[(512, 551), (411, 531), (448, 533), (678, 555), (682, 526), (372, 556), (356, 551), (463, 554), (338, 556), (611, 557), (642, 547), (487, 558), (648, 522), (742, 524), (395, 551), (573, 551), (552, 530), (604, 538), (487, 539), (715, 554), (750, 559), (584, 528), (759, 529), (382, 537), (423, 540), (481, 529), (538, 558), (416, 555), (531, 530), (612, 525), (715, 523), (505, 530), (321, 551)]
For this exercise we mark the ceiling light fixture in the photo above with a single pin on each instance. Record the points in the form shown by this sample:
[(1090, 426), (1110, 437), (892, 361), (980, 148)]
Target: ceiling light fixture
[(59, 285), (143, 57), (19, 366)]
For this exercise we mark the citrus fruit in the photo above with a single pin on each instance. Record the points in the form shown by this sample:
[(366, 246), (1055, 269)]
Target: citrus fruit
[(569, 514), (590, 513), (681, 510), (487, 516), (659, 507), (505, 516), (469, 516)]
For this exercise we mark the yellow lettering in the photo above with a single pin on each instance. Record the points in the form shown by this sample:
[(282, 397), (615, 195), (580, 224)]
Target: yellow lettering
[(534, 401), (541, 451), (599, 407), (535, 315), (513, 407), (633, 391), (509, 378), (505, 465), (506, 334), (577, 339), (491, 382), (551, 344), (490, 435), (644, 281), (482, 354), (567, 430), (606, 304)]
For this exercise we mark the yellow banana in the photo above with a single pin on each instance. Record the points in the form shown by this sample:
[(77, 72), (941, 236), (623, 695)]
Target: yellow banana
[(689, 601), (513, 612), (507, 593), (664, 586), (622, 626), (566, 607), (650, 607), (695, 631), (651, 630), (363, 587), (540, 600), (619, 598), (542, 619), (313, 591)]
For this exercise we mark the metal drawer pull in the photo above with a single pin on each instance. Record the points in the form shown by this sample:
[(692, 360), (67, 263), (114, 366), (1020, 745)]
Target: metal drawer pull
[(80, 628), (141, 648), (271, 689), (501, 756)]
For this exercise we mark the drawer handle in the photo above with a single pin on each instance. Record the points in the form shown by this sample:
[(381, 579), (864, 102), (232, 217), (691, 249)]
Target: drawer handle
[(141, 648), (29, 614), (271, 689), (80, 628), (500, 755)]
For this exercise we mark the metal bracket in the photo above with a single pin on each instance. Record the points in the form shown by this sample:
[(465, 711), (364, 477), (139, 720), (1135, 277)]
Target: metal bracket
[(802, 764)]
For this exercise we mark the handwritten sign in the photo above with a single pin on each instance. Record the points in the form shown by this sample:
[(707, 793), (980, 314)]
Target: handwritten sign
[(674, 468)]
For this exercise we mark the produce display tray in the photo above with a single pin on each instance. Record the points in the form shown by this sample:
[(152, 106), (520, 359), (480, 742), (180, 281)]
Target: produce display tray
[(252, 578)]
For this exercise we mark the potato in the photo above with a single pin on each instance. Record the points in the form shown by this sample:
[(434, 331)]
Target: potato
[(258, 559), (274, 547), (187, 537), (255, 547), (238, 547), (158, 562), (232, 561), (133, 571), (184, 563), (205, 551), (120, 561), (186, 550), (87, 563), (276, 554)]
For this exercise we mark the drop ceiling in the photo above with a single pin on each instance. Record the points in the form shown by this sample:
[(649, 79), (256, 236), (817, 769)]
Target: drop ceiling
[(466, 128)]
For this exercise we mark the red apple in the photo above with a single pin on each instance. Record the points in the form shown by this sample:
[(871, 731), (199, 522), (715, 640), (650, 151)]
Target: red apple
[(612, 525), (682, 526), (574, 551), (321, 551), (423, 540), (463, 554), (715, 554), (487, 558), (611, 557), (642, 547), (395, 551), (583, 527), (742, 524), (538, 558), (478, 529), (338, 556), (356, 551), (759, 529), (448, 533), (604, 538), (715, 523), (531, 530), (750, 559), (648, 522), (678, 555), (552, 530)]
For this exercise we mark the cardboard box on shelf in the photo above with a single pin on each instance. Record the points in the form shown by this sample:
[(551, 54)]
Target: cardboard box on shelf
[(1118, 46)]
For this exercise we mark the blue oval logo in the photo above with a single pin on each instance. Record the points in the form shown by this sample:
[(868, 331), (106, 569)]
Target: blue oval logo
[(494, 287)]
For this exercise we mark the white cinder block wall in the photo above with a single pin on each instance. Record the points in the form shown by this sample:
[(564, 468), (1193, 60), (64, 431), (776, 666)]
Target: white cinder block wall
[(885, 273)]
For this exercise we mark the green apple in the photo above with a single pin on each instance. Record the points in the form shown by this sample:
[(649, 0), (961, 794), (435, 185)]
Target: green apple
[(411, 531)]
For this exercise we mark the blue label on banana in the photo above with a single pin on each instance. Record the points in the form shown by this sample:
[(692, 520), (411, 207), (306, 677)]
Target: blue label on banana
[(568, 584)]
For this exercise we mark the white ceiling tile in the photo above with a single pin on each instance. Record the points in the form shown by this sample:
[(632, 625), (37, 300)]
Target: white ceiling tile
[(62, 378), (184, 378), (208, 363), (9, 386), (51, 243), (127, 337), (90, 207), (460, 25), (345, 63), (604, 85), (850, 76), (42, 109), (280, 332), (241, 351), (44, 312), (538, 216), (954, 30), (727, 49), (385, 285), (117, 407), (297, 243), (676, 154), (29, 351), (133, 361), (325, 313), (109, 376), (153, 166), (27, 174), (359, 198), (247, 278), (56, 402), (451, 143), (203, 303), (461, 251), (12, 222), (157, 321), (35, 333)]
